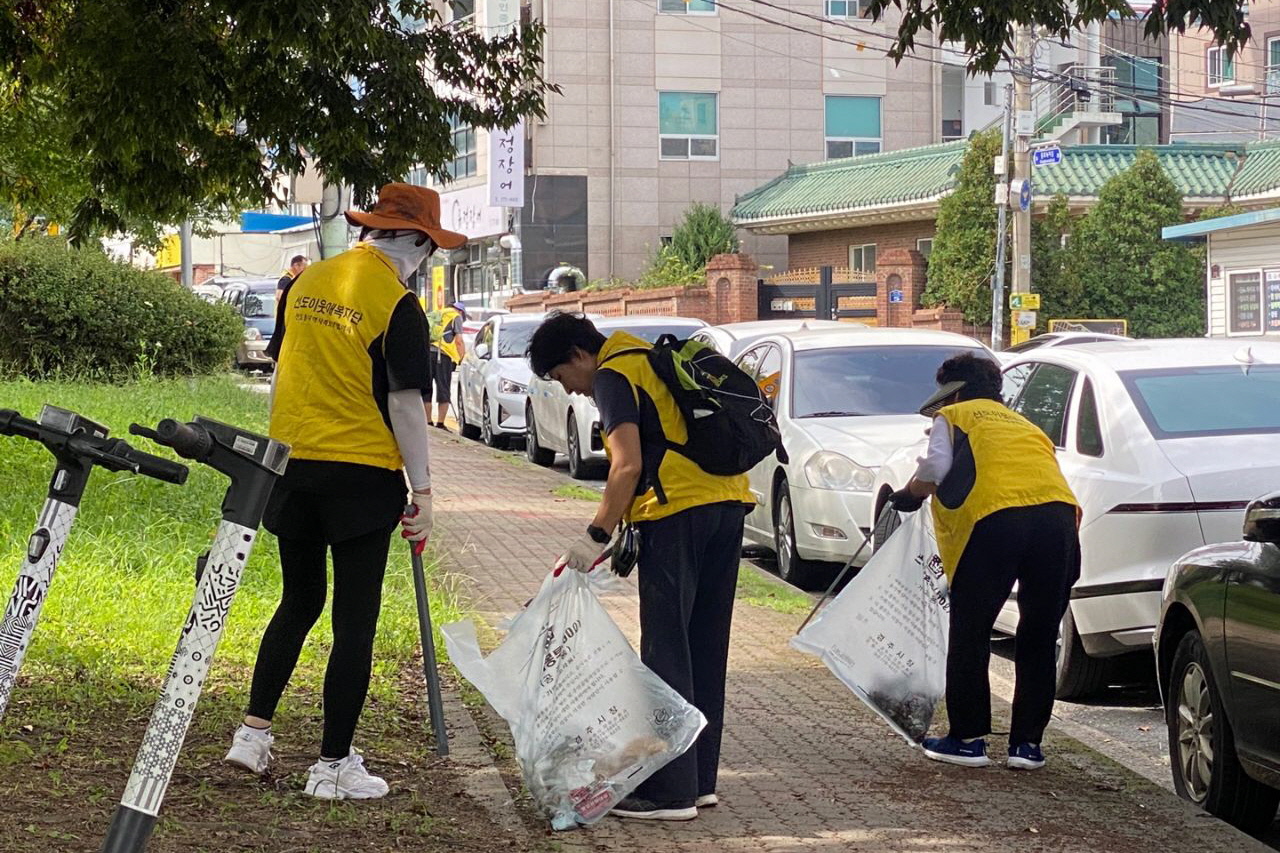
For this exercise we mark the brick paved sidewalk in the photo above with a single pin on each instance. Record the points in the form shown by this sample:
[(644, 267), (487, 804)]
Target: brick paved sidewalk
[(805, 766)]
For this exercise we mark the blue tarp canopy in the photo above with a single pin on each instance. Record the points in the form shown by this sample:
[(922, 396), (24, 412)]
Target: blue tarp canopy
[(262, 223)]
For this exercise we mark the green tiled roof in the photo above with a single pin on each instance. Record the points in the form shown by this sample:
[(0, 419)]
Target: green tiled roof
[(1199, 171), (869, 181), (863, 184), (1260, 171)]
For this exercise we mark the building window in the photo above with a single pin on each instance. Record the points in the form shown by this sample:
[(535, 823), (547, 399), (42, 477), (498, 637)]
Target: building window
[(863, 258), (925, 247), (989, 94), (462, 10), (688, 125), (687, 7), (1273, 66), (1221, 66), (1137, 99), (953, 79), (463, 164), (844, 8), (853, 126)]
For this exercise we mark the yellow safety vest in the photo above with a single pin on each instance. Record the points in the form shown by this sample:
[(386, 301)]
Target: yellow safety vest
[(684, 485), (330, 386), (1000, 460), (449, 348)]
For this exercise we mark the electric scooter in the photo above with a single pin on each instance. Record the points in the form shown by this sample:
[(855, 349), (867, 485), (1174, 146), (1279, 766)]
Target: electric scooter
[(253, 463), (78, 444)]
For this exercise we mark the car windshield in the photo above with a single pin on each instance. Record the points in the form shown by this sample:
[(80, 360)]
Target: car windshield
[(513, 340), (652, 333), (260, 305), (1197, 401), (892, 380), (1034, 343)]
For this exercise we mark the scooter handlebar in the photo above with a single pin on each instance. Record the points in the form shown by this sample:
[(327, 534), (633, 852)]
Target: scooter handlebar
[(156, 467), (12, 423), (190, 441)]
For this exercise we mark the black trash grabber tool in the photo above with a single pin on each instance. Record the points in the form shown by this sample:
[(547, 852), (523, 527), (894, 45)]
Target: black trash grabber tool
[(435, 702), (77, 444), (253, 463), (866, 540)]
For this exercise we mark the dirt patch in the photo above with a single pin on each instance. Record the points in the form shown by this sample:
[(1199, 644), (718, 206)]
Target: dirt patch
[(68, 751)]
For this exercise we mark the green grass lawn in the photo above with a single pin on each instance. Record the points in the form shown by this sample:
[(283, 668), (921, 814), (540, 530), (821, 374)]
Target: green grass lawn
[(126, 577), (110, 626)]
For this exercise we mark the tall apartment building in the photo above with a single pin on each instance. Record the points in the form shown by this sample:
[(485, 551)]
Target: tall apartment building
[(1219, 97), (669, 102)]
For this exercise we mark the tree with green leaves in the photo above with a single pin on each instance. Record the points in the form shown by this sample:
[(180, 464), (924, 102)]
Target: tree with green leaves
[(984, 29), (964, 248), (1059, 298), (1120, 265), (703, 233), (163, 109)]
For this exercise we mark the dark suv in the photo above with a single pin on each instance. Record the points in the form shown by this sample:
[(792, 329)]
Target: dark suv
[(1218, 659)]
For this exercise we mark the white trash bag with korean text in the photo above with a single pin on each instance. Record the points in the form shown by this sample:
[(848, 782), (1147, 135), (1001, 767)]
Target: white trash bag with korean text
[(885, 634), (590, 721)]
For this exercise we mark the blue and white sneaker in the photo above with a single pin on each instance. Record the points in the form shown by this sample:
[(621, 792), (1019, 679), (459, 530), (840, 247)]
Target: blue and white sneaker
[(1025, 756), (952, 750)]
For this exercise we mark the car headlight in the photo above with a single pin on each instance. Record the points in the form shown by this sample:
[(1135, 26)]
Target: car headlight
[(829, 470), (506, 386), (252, 334)]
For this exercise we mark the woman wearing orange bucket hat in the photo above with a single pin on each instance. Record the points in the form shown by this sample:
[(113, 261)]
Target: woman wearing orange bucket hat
[(351, 364)]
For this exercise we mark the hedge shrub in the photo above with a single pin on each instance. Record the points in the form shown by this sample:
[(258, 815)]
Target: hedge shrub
[(78, 312)]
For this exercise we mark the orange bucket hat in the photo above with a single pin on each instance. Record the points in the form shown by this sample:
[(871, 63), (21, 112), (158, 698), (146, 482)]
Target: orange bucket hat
[(405, 207)]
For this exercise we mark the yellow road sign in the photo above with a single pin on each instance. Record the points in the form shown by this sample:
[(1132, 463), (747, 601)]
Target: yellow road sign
[(1024, 301)]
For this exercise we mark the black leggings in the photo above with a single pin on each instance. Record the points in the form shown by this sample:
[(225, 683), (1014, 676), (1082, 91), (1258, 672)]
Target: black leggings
[(358, 567)]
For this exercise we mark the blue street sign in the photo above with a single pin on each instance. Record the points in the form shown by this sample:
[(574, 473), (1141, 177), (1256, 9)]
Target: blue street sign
[(895, 295), (1050, 155), (1024, 196)]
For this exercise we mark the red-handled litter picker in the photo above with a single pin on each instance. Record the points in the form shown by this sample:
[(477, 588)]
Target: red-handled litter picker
[(78, 444), (435, 703), (253, 463)]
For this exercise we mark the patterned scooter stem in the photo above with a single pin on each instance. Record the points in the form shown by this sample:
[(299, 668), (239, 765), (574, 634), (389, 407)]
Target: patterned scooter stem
[(20, 617), (172, 715), (253, 463)]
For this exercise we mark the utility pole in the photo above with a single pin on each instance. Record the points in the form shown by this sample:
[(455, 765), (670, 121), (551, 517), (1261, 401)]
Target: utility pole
[(184, 254), (1024, 127), (333, 225), (1002, 208)]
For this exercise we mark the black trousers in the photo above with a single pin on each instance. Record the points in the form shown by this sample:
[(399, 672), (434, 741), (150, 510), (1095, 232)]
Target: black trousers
[(358, 568), (687, 576), (1038, 547)]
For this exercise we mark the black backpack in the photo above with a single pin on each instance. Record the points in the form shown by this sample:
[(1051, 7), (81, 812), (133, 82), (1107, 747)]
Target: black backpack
[(730, 425)]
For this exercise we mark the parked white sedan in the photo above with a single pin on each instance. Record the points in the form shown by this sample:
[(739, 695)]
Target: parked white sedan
[(732, 339), (845, 399), (1164, 443), (493, 379), (558, 422)]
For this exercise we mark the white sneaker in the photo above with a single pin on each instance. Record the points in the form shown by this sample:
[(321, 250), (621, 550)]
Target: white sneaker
[(251, 749), (345, 779)]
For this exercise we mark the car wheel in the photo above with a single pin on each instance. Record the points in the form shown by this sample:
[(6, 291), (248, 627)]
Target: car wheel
[(887, 521), (806, 574), (536, 453), (1079, 674), (579, 468), (488, 434), (1202, 751), (465, 429)]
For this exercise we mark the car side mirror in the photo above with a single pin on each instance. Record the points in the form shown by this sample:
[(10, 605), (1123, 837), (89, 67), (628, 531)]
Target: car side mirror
[(482, 350), (1262, 520)]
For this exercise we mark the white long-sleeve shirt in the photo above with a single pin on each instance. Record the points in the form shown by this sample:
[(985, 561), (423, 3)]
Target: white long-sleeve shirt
[(936, 463)]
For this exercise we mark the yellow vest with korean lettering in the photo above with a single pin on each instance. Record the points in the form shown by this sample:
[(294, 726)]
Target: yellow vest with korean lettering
[(1000, 460), (336, 317), (683, 484)]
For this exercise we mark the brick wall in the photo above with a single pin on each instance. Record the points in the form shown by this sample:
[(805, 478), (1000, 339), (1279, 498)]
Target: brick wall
[(831, 248), (730, 295)]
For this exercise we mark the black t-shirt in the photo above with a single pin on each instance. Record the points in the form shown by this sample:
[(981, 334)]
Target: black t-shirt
[(619, 402)]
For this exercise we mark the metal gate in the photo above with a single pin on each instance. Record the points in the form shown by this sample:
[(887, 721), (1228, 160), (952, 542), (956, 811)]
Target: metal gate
[(823, 299)]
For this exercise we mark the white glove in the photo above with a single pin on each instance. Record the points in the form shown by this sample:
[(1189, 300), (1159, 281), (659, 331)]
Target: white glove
[(416, 522), (584, 553)]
